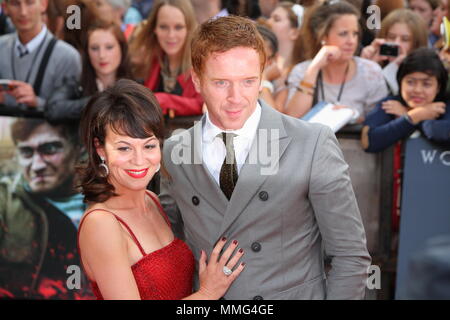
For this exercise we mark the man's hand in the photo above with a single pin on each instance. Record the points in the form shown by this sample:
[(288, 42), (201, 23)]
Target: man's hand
[(394, 107), (23, 93)]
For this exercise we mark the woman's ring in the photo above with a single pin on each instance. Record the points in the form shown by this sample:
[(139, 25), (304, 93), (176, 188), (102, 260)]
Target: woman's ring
[(227, 271)]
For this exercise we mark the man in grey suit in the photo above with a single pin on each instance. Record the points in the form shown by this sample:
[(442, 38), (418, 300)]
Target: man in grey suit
[(276, 184)]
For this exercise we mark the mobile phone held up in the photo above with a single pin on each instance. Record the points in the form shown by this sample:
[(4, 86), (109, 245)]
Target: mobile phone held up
[(5, 85), (389, 49)]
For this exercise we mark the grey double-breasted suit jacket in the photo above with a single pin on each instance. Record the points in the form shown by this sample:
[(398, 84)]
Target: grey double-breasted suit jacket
[(284, 218)]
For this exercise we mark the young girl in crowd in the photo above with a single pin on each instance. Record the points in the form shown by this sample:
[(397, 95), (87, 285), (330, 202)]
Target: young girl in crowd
[(105, 60), (334, 74), (404, 28), (161, 55), (285, 22), (421, 105)]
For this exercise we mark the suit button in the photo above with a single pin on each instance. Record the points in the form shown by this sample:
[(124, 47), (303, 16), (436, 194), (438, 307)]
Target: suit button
[(258, 298), (195, 200), (256, 246), (263, 195)]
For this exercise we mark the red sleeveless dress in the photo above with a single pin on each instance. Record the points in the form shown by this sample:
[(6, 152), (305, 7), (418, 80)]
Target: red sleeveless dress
[(164, 274)]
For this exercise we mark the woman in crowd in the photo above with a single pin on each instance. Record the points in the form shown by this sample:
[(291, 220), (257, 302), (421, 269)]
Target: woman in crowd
[(125, 239), (426, 9), (334, 74), (285, 21), (161, 55), (404, 28), (105, 60), (421, 105)]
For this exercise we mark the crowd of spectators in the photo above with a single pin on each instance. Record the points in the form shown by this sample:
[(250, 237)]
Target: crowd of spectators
[(320, 50)]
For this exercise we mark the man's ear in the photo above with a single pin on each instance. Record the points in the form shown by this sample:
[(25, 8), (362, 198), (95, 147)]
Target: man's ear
[(196, 80)]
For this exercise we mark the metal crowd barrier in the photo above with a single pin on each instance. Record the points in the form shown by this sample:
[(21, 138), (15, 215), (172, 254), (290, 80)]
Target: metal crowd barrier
[(20, 111)]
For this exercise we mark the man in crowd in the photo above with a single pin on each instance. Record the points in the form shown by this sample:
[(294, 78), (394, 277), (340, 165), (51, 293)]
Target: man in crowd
[(277, 185), (29, 58)]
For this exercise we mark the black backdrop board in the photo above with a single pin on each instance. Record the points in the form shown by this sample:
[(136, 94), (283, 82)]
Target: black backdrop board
[(39, 209), (425, 209)]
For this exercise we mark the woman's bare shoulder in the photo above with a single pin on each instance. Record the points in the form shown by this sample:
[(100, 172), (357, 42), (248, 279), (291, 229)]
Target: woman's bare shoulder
[(98, 222)]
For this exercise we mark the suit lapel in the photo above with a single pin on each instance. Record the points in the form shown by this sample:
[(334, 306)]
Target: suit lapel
[(199, 175), (255, 171)]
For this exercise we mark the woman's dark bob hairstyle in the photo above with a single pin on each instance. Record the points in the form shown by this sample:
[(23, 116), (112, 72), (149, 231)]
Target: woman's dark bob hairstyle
[(128, 108), (427, 61)]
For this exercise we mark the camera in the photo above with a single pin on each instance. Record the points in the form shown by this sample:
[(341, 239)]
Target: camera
[(389, 49)]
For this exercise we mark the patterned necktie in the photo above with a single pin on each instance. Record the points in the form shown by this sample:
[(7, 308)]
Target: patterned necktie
[(228, 172), (23, 51)]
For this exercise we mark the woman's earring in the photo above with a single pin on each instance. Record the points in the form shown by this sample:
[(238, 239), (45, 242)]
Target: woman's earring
[(323, 42), (159, 167), (104, 166)]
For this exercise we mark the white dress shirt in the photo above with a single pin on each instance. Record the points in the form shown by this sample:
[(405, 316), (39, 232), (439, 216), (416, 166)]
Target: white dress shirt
[(31, 45), (213, 147)]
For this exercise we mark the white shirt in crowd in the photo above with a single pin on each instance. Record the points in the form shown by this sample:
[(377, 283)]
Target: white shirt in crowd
[(33, 44)]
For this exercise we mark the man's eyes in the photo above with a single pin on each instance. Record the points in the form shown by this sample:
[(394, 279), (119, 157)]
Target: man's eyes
[(224, 83), (220, 83)]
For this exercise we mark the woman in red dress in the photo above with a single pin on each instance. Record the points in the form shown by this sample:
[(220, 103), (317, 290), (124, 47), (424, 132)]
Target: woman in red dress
[(160, 53), (126, 244)]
